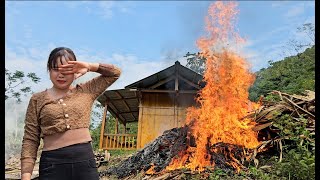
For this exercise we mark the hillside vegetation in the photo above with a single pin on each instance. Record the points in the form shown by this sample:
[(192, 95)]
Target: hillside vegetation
[(292, 75)]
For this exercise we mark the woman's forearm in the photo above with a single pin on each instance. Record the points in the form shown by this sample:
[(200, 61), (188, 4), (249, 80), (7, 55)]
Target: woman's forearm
[(26, 176), (93, 67), (108, 70)]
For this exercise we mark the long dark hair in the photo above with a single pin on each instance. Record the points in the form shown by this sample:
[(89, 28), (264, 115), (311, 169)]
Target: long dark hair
[(59, 52)]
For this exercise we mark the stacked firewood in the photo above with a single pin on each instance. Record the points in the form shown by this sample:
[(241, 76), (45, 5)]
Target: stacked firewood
[(298, 108), (295, 105)]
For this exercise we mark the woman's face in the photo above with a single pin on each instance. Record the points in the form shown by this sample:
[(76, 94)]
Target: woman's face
[(60, 81)]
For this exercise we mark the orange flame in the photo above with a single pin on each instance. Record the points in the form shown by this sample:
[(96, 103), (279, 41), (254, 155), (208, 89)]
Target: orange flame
[(224, 100), (151, 169)]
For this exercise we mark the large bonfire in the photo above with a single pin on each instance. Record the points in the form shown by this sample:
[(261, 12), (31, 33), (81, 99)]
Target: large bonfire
[(224, 100), (218, 132)]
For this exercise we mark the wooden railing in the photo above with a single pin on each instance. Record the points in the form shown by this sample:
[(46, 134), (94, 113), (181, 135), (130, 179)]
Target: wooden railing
[(119, 141)]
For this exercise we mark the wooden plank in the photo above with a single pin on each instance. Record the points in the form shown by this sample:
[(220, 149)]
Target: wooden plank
[(175, 113), (125, 141), (189, 82), (110, 142), (162, 82), (124, 102), (130, 112), (148, 126), (129, 142), (103, 124), (122, 99), (132, 142), (176, 83), (170, 91), (121, 141), (118, 142), (131, 135), (106, 142)]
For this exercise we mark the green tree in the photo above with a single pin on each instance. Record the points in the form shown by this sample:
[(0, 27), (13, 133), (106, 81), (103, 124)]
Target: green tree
[(294, 46), (196, 62), (292, 75), (16, 84)]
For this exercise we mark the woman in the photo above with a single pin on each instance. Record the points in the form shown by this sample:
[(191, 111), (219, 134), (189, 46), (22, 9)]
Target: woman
[(61, 117)]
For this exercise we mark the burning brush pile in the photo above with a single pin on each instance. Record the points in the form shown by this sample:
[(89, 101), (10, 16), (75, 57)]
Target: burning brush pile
[(227, 131), (155, 159)]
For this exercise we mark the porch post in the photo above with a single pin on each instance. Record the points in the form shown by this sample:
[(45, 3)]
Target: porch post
[(139, 121), (103, 124)]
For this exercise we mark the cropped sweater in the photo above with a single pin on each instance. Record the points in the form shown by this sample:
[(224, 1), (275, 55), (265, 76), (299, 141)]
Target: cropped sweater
[(47, 117)]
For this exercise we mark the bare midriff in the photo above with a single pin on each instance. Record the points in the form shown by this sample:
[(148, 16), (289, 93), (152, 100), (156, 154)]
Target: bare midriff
[(67, 138)]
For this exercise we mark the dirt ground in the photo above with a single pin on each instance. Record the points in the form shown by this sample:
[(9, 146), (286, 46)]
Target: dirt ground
[(12, 167)]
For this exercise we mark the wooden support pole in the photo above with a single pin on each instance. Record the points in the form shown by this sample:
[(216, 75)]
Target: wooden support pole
[(103, 124), (138, 145), (117, 125), (176, 83)]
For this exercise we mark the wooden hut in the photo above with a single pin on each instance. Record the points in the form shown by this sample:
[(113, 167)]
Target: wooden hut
[(157, 102)]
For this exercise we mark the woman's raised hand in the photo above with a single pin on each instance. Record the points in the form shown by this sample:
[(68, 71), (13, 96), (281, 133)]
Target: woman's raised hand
[(78, 68)]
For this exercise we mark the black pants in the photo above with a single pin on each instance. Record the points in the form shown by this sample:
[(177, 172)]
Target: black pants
[(75, 162)]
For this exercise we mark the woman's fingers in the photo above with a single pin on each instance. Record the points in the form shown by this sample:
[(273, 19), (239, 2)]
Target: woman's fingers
[(71, 67), (67, 72), (74, 62), (79, 64), (66, 65), (65, 68)]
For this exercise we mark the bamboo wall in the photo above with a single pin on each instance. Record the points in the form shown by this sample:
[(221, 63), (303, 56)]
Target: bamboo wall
[(159, 112)]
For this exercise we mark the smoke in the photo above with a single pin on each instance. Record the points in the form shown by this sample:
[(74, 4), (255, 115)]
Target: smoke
[(170, 56), (14, 125), (190, 26)]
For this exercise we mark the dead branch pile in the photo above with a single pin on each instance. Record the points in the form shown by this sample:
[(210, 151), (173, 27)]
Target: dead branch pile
[(295, 105), (299, 108)]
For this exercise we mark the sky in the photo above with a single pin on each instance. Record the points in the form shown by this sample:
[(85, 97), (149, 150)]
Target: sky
[(140, 37)]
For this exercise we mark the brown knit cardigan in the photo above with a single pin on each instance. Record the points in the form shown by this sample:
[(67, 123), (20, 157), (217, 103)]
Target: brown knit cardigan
[(46, 116)]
